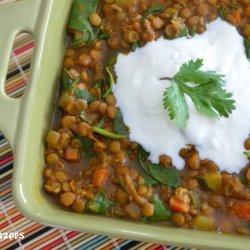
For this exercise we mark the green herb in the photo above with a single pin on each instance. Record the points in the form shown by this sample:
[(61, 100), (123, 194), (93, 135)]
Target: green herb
[(222, 13), (247, 153), (67, 82), (247, 47), (112, 58), (83, 94), (232, 5), (143, 159), (119, 125), (100, 124), (248, 225), (86, 146), (154, 9), (99, 204), (149, 181), (106, 133), (184, 32), (103, 35), (195, 199), (165, 175), (85, 117), (79, 21), (168, 176), (161, 212), (111, 83), (136, 45), (121, 182), (207, 93)]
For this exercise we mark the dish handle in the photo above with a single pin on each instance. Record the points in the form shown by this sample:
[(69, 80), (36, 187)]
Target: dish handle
[(14, 18)]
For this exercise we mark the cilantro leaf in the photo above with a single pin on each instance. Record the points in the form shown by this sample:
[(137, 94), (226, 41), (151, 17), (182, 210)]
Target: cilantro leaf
[(174, 101), (99, 204), (207, 93)]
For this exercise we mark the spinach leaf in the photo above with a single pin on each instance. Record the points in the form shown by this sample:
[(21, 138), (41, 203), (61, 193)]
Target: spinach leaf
[(135, 45), (112, 58), (106, 133), (99, 204), (184, 32), (247, 153), (103, 35), (79, 21), (167, 176), (121, 182), (222, 13), (83, 94), (149, 181), (111, 83), (86, 146), (119, 126), (67, 82), (100, 124), (143, 159), (161, 212), (247, 47), (154, 9)]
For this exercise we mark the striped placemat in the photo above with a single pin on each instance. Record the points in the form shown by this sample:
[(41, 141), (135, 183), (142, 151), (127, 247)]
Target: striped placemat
[(37, 236)]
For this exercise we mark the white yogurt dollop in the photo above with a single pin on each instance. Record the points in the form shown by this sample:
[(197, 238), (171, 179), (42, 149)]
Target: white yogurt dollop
[(139, 94)]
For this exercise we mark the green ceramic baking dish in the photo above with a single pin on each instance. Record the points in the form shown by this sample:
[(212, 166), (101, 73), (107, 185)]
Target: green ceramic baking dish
[(24, 122)]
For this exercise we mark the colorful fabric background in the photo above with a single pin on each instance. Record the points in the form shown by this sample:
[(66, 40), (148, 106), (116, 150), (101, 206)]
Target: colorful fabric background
[(37, 236)]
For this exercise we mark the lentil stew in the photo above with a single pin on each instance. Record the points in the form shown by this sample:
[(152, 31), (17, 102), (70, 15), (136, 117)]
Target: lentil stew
[(91, 164)]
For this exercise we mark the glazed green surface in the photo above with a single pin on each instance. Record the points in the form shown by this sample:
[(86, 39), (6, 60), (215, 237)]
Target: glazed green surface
[(25, 121)]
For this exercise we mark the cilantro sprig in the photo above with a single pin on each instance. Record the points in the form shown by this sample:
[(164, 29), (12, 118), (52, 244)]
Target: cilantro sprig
[(205, 88)]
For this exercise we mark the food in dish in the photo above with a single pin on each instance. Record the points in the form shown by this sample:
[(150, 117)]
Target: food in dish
[(101, 156)]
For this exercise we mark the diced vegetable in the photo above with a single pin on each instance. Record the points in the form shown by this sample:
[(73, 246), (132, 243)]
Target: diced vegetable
[(203, 222), (213, 181), (99, 204), (133, 210), (178, 206), (195, 199), (161, 211), (79, 21), (100, 176), (72, 154), (242, 210)]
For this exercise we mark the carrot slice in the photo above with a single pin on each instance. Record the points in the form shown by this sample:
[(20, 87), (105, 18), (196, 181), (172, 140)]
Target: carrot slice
[(236, 16), (100, 176), (242, 210), (81, 86), (177, 205), (72, 154)]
